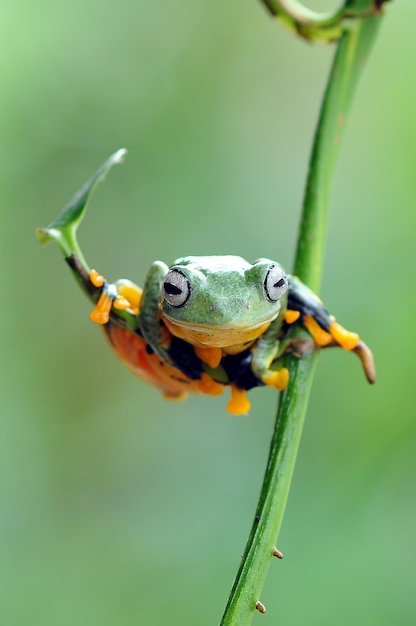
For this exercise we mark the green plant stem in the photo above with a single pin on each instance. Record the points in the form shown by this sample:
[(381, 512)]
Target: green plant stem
[(351, 53), (352, 49)]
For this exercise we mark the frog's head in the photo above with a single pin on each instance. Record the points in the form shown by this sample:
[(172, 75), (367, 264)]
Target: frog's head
[(221, 301)]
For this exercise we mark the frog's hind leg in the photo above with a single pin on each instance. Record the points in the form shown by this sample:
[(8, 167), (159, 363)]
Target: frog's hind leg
[(303, 303), (305, 306)]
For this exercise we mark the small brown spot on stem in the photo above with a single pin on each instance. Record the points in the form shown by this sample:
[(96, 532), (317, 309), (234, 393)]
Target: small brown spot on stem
[(260, 607), (277, 553)]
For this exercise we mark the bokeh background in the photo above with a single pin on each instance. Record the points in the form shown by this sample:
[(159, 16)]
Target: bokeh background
[(117, 507)]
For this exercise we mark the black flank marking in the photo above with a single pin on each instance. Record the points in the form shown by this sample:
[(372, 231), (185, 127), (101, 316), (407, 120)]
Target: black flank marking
[(184, 358), (317, 311), (238, 368)]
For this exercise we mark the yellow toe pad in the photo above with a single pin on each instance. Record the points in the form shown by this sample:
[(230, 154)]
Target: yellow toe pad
[(344, 337), (321, 337), (101, 313), (239, 403), (278, 380)]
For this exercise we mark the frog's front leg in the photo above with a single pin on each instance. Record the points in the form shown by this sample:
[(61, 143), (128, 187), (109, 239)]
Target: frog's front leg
[(262, 355), (253, 368), (151, 324), (265, 352)]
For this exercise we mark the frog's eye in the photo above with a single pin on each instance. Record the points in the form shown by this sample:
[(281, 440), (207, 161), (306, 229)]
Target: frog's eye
[(275, 283), (176, 288)]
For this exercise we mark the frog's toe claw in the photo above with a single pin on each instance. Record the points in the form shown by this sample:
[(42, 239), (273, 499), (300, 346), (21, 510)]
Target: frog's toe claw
[(279, 380), (238, 403), (366, 357)]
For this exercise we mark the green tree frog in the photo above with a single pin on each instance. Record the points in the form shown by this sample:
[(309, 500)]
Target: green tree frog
[(206, 322)]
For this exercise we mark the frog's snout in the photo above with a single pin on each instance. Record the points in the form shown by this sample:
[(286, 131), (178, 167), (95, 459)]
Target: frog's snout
[(221, 312)]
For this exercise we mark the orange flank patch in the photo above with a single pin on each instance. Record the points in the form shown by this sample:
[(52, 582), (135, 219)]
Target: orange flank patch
[(131, 349)]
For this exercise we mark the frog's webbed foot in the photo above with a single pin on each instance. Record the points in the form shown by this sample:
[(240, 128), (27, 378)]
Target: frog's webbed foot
[(278, 379), (123, 295), (238, 404)]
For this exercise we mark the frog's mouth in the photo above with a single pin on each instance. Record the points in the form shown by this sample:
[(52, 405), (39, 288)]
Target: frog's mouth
[(214, 337)]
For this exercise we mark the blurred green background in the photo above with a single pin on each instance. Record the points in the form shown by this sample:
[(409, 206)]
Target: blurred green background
[(117, 507)]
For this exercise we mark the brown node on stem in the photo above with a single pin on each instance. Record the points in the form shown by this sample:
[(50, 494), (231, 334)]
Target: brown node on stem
[(260, 607), (276, 552)]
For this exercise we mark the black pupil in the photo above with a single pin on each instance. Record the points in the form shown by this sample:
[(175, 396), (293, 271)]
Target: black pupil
[(280, 283), (172, 290)]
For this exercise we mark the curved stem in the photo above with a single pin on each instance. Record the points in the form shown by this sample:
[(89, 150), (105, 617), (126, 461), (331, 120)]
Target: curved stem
[(328, 26), (352, 49)]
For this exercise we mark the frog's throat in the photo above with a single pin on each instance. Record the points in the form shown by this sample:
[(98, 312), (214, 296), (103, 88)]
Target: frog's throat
[(223, 337)]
